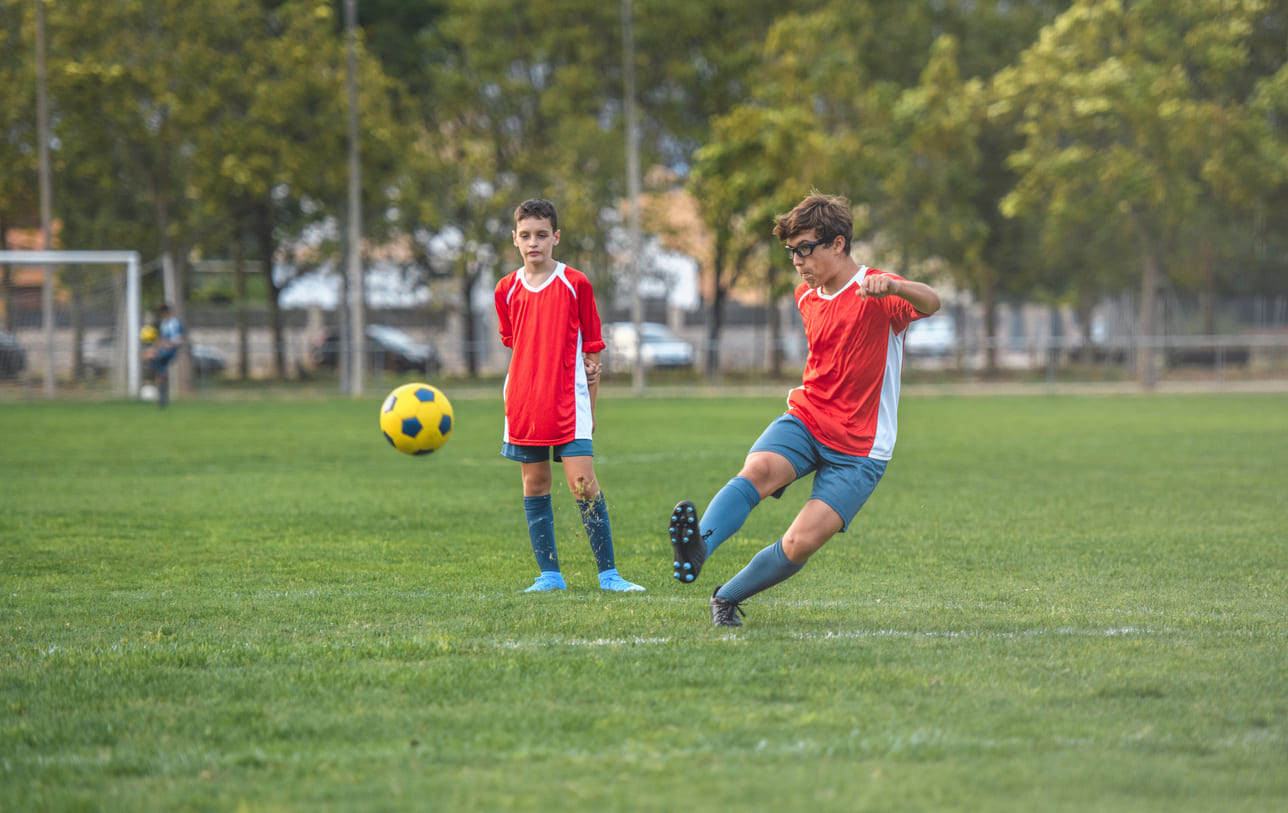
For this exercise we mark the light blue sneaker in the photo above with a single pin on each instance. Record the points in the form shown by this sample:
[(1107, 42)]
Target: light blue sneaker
[(547, 581), (610, 580)]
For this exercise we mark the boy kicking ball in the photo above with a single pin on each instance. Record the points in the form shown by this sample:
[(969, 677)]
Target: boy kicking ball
[(840, 422)]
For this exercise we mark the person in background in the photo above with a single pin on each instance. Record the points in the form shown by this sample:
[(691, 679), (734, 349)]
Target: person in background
[(170, 338)]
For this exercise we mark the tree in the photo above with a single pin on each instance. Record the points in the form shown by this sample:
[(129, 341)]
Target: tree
[(757, 165), (1137, 115), (183, 127), (18, 155), (271, 166), (930, 171), (514, 100), (899, 89)]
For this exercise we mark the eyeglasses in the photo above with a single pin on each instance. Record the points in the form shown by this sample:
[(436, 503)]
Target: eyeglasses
[(805, 249)]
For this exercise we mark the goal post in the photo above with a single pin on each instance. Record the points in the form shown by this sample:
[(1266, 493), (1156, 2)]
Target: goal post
[(133, 300)]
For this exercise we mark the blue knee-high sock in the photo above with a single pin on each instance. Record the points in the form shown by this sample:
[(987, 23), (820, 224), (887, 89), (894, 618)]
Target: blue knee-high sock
[(594, 516), (767, 568), (726, 513), (541, 530)]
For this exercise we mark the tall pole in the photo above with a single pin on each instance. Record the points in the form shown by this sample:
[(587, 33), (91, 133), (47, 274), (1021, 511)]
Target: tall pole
[(633, 191), (46, 206), (357, 296)]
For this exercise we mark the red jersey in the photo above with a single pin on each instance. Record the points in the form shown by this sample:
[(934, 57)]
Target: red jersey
[(849, 394), (547, 399)]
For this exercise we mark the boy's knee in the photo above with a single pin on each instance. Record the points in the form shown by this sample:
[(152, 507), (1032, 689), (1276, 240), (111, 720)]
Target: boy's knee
[(584, 488), (535, 485)]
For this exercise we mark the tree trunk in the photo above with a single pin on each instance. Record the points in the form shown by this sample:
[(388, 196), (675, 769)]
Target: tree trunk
[(6, 278), (469, 325), (239, 298), (715, 313), (264, 237), (78, 325), (775, 336), (1083, 307), (1145, 363), (184, 365), (1207, 296), (988, 297)]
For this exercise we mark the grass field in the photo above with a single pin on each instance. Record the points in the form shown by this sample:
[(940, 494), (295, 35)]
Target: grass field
[(1051, 603)]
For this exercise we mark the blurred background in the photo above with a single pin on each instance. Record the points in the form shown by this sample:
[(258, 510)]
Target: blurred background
[(325, 190)]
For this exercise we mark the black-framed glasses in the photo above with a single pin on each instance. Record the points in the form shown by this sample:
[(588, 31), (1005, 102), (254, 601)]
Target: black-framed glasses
[(803, 250)]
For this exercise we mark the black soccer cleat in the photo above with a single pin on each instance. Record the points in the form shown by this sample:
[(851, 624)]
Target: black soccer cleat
[(724, 613), (687, 545)]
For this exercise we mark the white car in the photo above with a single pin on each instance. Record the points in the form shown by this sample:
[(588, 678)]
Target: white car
[(934, 336), (661, 347)]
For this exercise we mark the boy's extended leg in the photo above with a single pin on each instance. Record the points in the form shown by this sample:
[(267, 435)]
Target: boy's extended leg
[(687, 549), (693, 541)]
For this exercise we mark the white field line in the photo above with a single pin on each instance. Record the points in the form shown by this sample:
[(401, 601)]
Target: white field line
[(143, 645), (1070, 632)]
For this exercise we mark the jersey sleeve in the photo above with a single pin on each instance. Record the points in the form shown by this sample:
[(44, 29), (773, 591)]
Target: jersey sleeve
[(504, 324)]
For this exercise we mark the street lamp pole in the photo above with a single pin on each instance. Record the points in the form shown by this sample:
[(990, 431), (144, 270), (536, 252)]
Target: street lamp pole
[(46, 204), (633, 191), (357, 294)]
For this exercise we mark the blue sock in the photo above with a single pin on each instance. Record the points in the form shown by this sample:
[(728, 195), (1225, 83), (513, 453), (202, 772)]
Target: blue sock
[(541, 530), (767, 568), (726, 513), (594, 516)]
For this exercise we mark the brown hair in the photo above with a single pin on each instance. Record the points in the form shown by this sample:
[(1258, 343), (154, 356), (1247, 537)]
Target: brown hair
[(828, 216), (537, 207)]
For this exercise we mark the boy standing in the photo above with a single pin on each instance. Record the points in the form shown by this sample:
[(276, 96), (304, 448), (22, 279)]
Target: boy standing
[(840, 422), (547, 316)]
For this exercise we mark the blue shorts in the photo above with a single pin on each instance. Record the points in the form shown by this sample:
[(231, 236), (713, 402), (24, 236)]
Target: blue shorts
[(842, 481), (536, 454)]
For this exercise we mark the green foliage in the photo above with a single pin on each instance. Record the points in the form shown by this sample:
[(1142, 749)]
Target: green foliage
[(1136, 118), (18, 154), (1049, 603), (1046, 149)]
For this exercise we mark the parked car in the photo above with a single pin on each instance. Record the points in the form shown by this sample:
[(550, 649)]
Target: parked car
[(389, 349), (13, 358), (661, 347), (97, 357)]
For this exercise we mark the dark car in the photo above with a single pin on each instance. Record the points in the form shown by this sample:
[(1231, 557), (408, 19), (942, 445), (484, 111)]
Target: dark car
[(388, 347), (13, 358), (207, 360)]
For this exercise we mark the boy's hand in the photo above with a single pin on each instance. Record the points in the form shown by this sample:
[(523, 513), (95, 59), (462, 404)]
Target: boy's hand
[(878, 286), (593, 370)]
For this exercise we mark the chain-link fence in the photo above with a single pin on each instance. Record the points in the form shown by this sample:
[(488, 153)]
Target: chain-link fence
[(227, 350)]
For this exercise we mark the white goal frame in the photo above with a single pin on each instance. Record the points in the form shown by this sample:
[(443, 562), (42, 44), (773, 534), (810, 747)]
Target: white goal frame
[(133, 300)]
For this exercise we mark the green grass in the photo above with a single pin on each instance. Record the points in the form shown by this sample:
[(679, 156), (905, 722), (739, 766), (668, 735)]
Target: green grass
[(1049, 604)]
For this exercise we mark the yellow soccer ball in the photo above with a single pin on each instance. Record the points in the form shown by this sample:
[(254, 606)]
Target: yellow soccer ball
[(416, 418), (148, 334)]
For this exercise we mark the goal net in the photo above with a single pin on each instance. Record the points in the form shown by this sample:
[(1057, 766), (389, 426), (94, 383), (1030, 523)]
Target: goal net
[(89, 338)]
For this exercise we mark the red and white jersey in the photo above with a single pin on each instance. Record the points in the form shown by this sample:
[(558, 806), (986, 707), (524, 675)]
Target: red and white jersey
[(849, 394), (547, 399)]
